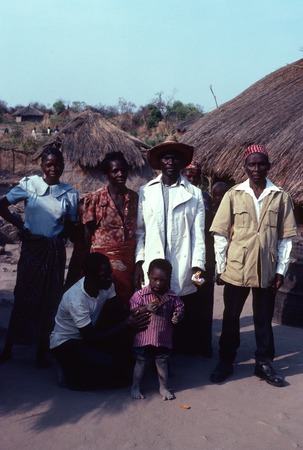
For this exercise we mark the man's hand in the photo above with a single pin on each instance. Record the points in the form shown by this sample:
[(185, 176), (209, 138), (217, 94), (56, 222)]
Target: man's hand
[(138, 321), (219, 281), (278, 282), (197, 269), (177, 316), (138, 275), (198, 276)]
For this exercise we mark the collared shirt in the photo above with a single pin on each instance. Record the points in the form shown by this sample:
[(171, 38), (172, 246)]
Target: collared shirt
[(167, 192), (46, 207), (284, 245), (160, 328), (77, 309), (111, 226)]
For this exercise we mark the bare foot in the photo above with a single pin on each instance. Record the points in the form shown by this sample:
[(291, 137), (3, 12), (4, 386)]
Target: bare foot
[(166, 394), (135, 393)]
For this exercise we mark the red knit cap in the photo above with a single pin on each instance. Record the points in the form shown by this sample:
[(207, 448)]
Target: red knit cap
[(255, 148)]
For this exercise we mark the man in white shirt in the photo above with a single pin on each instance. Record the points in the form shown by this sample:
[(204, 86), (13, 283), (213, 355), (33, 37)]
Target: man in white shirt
[(93, 333), (253, 231)]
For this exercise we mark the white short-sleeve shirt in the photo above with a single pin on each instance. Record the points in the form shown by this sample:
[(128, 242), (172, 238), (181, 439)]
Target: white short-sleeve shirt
[(77, 309)]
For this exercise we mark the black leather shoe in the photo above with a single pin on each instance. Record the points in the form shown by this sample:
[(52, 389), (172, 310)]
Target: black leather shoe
[(221, 372), (267, 373)]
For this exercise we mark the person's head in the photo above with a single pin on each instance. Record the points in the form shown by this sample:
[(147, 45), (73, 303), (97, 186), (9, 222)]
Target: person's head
[(98, 271), (159, 275), (217, 192), (192, 173), (115, 167), (52, 165), (170, 157), (256, 163)]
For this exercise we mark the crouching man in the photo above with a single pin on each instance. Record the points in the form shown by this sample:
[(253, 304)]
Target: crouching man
[(93, 334)]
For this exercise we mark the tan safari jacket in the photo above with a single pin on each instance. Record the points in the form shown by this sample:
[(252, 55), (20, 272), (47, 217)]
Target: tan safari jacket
[(253, 245)]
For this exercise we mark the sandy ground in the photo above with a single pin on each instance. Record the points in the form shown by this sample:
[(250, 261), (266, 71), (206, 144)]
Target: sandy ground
[(242, 413)]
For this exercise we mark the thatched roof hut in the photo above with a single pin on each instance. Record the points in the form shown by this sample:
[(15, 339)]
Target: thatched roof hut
[(270, 112), (28, 114), (85, 141)]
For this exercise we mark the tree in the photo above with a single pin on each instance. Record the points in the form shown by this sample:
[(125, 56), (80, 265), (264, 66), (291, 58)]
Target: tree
[(149, 115), (40, 106), (179, 111), (125, 107), (3, 107), (78, 106), (108, 112), (59, 106)]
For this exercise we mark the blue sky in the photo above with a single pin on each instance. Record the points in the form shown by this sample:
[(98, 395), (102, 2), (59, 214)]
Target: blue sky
[(99, 50)]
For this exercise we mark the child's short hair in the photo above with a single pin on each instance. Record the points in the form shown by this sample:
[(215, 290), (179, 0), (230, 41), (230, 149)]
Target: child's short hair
[(161, 264)]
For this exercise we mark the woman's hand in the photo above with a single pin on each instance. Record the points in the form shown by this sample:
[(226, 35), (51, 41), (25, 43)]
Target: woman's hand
[(13, 218)]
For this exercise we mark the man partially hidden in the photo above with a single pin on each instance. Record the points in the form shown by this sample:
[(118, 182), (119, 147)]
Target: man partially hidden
[(170, 225)]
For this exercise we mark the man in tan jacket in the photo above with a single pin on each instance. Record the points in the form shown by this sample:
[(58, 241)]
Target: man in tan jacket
[(253, 232)]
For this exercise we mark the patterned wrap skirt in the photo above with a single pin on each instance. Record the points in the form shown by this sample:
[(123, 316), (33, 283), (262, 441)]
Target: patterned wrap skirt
[(38, 291), (122, 259)]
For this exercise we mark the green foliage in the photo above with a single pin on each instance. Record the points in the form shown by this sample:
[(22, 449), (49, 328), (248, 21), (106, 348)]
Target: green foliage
[(124, 106), (29, 145), (154, 140), (78, 106), (59, 106), (3, 107), (150, 115), (179, 111), (17, 133), (40, 106)]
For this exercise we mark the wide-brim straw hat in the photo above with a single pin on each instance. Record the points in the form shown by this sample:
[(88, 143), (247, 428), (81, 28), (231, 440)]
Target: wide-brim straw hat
[(170, 143)]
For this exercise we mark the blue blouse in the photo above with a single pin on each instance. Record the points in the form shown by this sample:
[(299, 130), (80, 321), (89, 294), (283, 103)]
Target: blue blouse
[(46, 207)]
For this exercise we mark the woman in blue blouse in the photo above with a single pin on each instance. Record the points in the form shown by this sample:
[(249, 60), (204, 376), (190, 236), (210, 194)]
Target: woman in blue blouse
[(50, 209)]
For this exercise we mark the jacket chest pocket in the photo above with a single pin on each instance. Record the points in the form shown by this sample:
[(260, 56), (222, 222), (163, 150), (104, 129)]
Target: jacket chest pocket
[(271, 217), (242, 218)]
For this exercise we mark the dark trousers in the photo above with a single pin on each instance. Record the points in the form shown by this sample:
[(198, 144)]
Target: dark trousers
[(84, 367), (193, 334), (263, 309), (106, 362)]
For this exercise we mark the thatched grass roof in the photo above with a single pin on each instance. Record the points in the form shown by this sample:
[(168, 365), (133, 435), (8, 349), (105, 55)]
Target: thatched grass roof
[(28, 111), (88, 137), (270, 112)]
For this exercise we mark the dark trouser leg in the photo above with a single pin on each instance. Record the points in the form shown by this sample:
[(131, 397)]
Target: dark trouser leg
[(185, 333), (204, 319), (85, 367), (263, 309), (234, 299)]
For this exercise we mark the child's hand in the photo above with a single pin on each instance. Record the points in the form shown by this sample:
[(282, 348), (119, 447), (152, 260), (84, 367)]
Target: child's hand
[(153, 306), (177, 316)]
